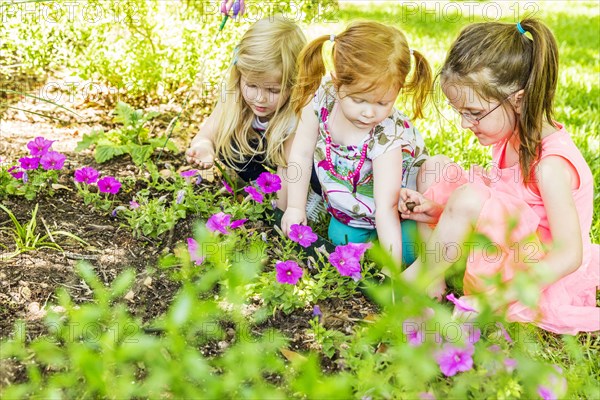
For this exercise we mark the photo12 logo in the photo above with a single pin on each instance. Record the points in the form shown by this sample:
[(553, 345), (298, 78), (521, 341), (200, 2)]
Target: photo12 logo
[(59, 12)]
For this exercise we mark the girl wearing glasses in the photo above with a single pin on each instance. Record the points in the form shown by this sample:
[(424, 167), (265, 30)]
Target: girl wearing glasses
[(535, 208)]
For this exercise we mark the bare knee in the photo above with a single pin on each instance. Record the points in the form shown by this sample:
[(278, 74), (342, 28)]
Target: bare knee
[(466, 201), (432, 171)]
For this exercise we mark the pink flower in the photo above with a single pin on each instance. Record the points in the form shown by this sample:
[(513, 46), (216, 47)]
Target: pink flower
[(288, 272), (413, 332), (134, 204), (460, 305), (359, 248), (86, 175), (219, 223), (426, 396), (227, 187), (237, 223), (39, 146), (237, 6), (52, 160), (302, 235), (473, 333), (16, 172), (29, 162), (510, 364), (193, 250), (344, 259), (504, 332), (188, 175), (268, 182), (453, 359), (254, 194), (109, 184), (546, 393)]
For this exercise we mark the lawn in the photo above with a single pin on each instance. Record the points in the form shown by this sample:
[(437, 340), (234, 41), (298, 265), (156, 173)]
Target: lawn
[(128, 290)]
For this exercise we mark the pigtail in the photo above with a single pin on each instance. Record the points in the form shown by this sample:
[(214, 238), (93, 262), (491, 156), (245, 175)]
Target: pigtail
[(540, 88), (420, 84), (311, 69)]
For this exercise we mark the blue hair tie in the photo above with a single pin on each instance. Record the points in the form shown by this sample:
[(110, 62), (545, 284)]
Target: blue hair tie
[(520, 28)]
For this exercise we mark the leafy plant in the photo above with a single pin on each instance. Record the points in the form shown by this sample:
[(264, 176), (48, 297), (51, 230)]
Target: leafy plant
[(26, 239), (132, 138)]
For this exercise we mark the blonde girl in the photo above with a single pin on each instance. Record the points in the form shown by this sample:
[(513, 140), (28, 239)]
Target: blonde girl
[(253, 122), (363, 149), (535, 205)]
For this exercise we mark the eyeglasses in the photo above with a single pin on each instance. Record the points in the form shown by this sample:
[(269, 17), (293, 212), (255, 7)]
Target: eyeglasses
[(475, 119)]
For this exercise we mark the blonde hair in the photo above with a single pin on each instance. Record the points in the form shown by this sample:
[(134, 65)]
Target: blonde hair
[(495, 59), (271, 45), (367, 54)]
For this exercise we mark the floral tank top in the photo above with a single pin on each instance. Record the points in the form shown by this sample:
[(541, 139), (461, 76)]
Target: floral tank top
[(352, 201)]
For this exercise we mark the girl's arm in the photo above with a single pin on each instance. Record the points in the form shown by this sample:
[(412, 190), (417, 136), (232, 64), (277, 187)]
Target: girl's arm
[(300, 167), (387, 181), (556, 179), (202, 147), (282, 194)]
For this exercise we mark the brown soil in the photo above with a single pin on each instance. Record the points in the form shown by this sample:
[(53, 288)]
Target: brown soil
[(29, 281)]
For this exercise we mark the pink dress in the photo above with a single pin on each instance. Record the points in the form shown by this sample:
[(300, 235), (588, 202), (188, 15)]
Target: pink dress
[(513, 217)]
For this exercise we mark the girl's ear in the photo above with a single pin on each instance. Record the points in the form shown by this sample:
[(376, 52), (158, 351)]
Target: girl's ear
[(517, 100)]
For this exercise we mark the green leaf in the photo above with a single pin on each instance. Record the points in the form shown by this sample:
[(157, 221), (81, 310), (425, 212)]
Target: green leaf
[(106, 152), (89, 140), (139, 154)]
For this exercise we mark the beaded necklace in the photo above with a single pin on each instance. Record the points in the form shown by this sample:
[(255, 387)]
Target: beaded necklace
[(363, 155)]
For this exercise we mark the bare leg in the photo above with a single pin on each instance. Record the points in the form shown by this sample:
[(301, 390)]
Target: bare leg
[(446, 240)]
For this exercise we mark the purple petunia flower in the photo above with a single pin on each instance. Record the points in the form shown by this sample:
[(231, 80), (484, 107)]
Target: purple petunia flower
[(288, 272), (473, 333), (345, 261), (510, 364), (460, 305), (180, 196), (39, 146), (25, 177), (303, 235), (227, 187), (109, 184), (453, 359), (317, 312), (545, 393), (16, 172), (254, 194), (359, 248), (414, 333), (219, 223), (268, 182), (237, 223), (193, 250), (29, 162), (504, 332), (188, 175), (86, 175), (52, 160)]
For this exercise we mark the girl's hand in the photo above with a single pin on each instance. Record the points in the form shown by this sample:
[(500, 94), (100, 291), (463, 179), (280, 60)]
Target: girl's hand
[(413, 205), (201, 154), (292, 216)]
